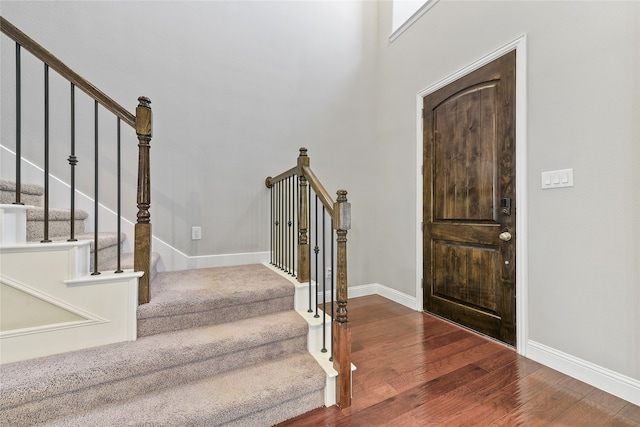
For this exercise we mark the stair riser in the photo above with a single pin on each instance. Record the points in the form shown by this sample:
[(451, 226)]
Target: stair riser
[(158, 325), (9, 197), (105, 255), (78, 401), (35, 229), (272, 416)]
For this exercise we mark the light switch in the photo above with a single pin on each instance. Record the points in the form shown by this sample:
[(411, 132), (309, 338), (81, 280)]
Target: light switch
[(557, 179)]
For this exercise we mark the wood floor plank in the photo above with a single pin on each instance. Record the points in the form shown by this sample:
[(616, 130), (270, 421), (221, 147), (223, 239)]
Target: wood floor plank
[(414, 369)]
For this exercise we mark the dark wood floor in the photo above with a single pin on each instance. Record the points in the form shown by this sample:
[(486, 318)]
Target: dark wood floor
[(414, 369)]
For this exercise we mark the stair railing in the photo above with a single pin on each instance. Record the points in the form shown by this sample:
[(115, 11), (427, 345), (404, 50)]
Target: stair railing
[(141, 122), (301, 211)]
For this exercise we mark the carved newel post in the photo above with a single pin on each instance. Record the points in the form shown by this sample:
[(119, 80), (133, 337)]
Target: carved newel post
[(341, 325), (142, 253), (303, 238)]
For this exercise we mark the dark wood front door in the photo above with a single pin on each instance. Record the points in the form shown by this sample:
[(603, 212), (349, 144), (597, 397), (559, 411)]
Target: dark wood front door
[(470, 201)]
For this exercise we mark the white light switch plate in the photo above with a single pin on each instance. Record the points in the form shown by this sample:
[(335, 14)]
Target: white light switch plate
[(557, 179)]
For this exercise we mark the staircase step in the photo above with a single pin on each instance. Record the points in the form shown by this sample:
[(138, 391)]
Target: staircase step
[(59, 223), (107, 247), (126, 263), (30, 194), (262, 395), (193, 298), (67, 385)]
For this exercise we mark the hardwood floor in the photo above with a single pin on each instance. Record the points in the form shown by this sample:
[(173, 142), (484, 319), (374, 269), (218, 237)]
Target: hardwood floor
[(414, 369)]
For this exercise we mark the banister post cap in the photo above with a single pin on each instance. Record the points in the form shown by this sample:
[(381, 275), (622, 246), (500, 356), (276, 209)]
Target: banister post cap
[(303, 160), (144, 102)]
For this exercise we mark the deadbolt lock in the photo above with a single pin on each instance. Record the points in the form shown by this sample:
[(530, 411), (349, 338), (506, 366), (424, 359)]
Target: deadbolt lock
[(505, 206)]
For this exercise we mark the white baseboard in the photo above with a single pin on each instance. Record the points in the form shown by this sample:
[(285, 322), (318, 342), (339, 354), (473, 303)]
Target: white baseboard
[(624, 387), (384, 291), (172, 259)]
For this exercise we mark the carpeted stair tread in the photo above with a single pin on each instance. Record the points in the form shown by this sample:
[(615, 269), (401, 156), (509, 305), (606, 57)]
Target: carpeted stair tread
[(176, 292), (229, 398), (105, 239), (126, 263), (193, 298), (35, 213), (59, 222), (30, 194), (38, 379)]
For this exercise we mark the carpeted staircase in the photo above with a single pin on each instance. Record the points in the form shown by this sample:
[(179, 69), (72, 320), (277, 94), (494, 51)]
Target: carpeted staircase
[(220, 346)]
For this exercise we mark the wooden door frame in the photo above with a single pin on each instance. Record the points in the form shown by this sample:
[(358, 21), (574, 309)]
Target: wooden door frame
[(520, 46)]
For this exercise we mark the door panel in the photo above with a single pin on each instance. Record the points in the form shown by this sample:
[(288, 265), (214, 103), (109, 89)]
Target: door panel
[(469, 153), (465, 164)]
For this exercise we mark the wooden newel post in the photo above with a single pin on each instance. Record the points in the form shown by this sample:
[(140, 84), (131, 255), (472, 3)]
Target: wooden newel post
[(303, 203), (341, 325), (142, 253)]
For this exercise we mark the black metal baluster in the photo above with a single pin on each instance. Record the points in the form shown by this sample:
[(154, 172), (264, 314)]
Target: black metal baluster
[(310, 238), (73, 161), (291, 223), (95, 202), (286, 229), (119, 269), (324, 281), (271, 226), (316, 250), (18, 127), (283, 230), (296, 221), (46, 155), (278, 224)]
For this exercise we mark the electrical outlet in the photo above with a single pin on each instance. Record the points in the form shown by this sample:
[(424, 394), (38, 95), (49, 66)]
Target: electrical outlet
[(329, 273), (196, 233)]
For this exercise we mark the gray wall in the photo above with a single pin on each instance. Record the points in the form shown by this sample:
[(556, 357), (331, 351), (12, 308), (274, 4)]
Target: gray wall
[(238, 87)]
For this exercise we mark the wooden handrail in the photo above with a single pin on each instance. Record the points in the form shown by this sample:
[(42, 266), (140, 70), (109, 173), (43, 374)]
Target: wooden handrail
[(61, 68), (319, 189), (270, 181)]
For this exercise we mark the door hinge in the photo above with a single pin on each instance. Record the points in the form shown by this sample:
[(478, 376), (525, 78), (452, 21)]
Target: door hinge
[(422, 169), (422, 283), (423, 113)]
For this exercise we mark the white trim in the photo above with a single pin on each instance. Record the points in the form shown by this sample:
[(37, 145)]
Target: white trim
[(384, 291), (412, 19), (87, 318), (619, 385), (520, 46), (173, 259)]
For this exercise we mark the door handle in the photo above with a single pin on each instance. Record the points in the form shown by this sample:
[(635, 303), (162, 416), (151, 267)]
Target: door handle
[(505, 236)]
